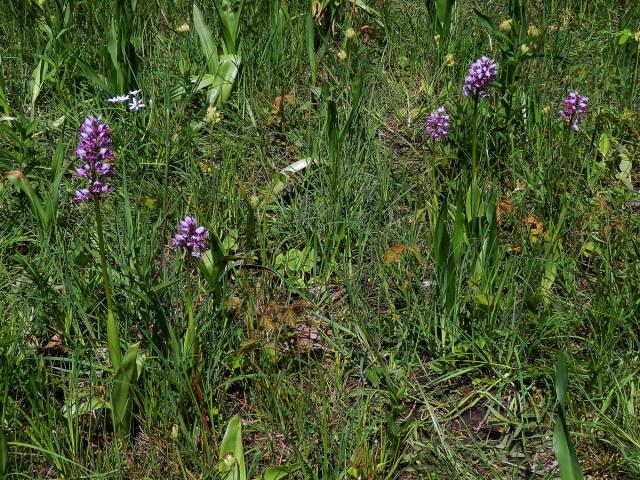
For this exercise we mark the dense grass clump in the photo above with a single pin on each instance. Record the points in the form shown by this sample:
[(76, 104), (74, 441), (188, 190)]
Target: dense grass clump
[(321, 240)]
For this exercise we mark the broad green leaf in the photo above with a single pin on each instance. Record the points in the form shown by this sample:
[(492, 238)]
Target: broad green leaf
[(565, 452), (222, 85), (4, 103), (79, 408), (356, 99), (562, 379), (371, 11), (19, 180), (603, 144), (113, 341), (37, 79), (4, 453), (562, 445), (311, 52), (231, 452), (279, 473), (474, 206), (491, 26), (121, 394), (94, 77), (208, 45), (458, 237), (624, 174), (230, 25), (57, 172)]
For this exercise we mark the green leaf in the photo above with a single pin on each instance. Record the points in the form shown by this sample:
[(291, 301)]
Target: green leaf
[(279, 473), (356, 99), (491, 26), (458, 236), (311, 52), (603, 144), (121, 395), (4, 103), (231, 452), (208, 45), (20, 181), (37, 79), (57, 172), (562, 379), (95, 78), (624, 174), (565, 452), (474, 205), (230, 25), (220, 91), (624, 36), (562, 445), (4, 453), (79, 408)]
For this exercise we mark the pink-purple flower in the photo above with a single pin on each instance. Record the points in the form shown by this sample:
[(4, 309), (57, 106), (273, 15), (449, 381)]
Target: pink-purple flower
[(482, 73), (96, 150), (438, 124), (573, 109), (192, 237)]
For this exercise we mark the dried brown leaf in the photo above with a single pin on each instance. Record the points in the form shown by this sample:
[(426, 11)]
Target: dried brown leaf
[(394, 253)]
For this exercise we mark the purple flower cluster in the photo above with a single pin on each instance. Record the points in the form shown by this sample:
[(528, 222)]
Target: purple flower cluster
[(438, 124), (481, 73), (96, 150), (574, 107), (191, 237)]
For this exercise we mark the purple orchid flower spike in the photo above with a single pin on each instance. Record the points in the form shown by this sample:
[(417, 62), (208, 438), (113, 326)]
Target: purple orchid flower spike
[(192, 237), (573, 109), (96, 150), (438, 124), (482, 73)]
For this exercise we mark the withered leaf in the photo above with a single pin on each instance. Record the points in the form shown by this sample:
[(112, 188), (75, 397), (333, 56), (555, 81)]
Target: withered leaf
[(503, 208), (394, 253)]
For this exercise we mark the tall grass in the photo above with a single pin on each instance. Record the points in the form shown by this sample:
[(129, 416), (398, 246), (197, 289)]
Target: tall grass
[(373, 304)]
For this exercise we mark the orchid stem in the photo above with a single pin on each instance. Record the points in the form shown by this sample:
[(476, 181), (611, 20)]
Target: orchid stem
[(113, 338)]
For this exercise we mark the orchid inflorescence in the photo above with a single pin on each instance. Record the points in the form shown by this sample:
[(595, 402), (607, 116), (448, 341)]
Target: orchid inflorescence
[(482, 73), (96, 150), (438, 124), (191, 237), (573, 109)]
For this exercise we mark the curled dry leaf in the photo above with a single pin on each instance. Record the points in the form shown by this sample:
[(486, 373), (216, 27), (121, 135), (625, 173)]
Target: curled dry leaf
[(536, 228), (277, 108), (311, 336), (365, 30), (394, 253), (54, 345), (234, 303), (503, 208)]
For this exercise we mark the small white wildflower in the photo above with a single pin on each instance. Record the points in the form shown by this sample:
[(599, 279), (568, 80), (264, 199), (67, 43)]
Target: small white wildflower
[(133, 93), (118, 99), (136, 104)]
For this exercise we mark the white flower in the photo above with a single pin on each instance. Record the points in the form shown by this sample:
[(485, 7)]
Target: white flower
[(136, 104), (118, 99), (133, 93)]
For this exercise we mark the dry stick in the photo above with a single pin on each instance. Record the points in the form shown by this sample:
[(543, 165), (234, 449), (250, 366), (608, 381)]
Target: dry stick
[(203, 413), (164, 16)]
